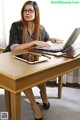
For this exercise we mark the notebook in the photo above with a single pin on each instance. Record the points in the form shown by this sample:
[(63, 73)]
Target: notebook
[(56, 47)]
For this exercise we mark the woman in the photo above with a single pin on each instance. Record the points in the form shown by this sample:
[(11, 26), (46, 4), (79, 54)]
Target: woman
[(27, 33)]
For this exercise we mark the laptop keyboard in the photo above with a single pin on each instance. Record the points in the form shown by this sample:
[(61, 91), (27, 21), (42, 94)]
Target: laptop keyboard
[(56, 46), (53, 46)]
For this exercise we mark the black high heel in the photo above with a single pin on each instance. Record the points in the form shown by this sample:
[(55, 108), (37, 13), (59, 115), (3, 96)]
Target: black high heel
[(38, 118), (45, 105)]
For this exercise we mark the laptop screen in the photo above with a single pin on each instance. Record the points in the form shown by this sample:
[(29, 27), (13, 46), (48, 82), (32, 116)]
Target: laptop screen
[(55, 47), (71, 39)]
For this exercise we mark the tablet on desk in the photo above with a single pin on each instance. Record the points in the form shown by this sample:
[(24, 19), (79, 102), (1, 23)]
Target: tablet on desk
[(31, 57)]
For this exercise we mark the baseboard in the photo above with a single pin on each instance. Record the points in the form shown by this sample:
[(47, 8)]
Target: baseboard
[(51, 84), (73, 85), (54, 84)]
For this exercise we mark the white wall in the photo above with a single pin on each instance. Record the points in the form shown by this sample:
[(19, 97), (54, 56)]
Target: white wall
[(58, 19)]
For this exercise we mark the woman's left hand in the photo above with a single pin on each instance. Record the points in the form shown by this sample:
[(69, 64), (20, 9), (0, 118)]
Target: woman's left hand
[(55, 40)]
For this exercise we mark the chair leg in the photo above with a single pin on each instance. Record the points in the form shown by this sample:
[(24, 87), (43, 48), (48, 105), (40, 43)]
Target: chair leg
[(8, 104), (59, 87)]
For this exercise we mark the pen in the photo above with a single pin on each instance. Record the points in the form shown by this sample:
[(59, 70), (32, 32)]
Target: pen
[(46, 56)]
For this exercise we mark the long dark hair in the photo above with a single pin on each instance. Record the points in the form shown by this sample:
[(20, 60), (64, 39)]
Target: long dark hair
[(36, 20)]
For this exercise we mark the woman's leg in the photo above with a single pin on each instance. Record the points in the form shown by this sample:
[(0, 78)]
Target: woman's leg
[(43, 93), (36, 109)]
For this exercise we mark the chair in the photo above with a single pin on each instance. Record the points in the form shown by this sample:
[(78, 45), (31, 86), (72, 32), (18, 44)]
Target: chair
[(1, 49)]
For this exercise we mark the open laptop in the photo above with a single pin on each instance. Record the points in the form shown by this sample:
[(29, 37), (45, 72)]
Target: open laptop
[(56, 47)]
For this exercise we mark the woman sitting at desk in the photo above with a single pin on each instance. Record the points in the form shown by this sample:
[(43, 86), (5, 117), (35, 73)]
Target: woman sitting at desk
[(27, 33)]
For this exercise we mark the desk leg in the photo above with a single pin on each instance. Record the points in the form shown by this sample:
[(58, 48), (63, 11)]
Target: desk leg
[(16, 106), (59, 87), (8, 104)]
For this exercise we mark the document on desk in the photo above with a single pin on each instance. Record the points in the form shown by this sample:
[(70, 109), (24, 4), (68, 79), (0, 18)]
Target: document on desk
[(72, 52), (46, 52)]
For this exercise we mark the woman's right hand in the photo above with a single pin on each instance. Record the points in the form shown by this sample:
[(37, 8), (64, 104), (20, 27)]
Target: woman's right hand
[(41, 43)]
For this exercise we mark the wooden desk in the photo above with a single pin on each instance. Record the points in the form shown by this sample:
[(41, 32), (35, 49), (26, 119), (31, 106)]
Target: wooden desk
[(16, 76)]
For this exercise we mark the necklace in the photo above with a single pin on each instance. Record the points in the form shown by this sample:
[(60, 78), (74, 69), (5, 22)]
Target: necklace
[(31, 30), (30, 34)]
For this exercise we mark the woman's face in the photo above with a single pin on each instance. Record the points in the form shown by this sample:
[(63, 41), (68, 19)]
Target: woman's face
[(29, 13)]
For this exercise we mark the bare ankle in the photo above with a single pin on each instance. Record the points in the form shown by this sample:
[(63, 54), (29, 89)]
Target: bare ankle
[(36, 110), (44, 96)]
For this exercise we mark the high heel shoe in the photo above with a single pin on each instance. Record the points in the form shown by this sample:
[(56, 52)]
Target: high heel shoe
[(45, 105), (38, 118)]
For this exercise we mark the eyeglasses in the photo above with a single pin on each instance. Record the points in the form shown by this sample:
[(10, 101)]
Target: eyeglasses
[(29, 11)]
